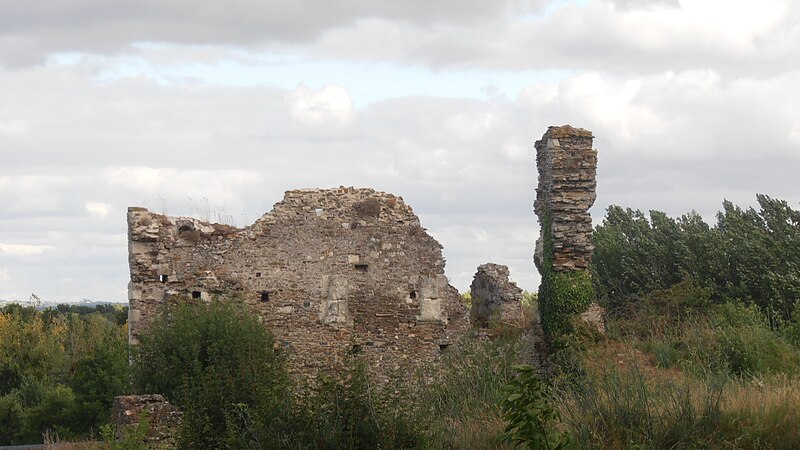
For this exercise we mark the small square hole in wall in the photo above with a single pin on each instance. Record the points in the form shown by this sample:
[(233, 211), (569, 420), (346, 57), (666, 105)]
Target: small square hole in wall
[(163, 278), (356, 349), (196, 294), (258, 274), (362, 267), (412, 295), (443, 347), (264, 296)]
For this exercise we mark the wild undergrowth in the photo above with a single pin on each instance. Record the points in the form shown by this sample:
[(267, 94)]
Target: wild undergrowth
[(678, 371)]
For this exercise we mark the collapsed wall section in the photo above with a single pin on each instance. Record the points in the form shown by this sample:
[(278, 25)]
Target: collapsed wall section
[(330, 271), (495, 298)]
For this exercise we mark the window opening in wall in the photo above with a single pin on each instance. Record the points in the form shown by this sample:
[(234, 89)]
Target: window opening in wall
[(356, 349), (258, 274), (163, 278), (264, 296), (196, 294), (412, 295), (443, 347), (362, 267)]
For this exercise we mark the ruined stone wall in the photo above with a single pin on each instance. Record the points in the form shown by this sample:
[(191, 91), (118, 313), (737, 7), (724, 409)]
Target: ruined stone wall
[(495, 298), (330, 272), (567, 166)]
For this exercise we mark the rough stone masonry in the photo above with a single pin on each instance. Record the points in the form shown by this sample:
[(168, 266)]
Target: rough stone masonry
[(567, 166), (495, 298), (330, 271)]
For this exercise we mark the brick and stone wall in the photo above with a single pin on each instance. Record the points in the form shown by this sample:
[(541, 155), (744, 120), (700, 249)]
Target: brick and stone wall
[(330, 272), (567, 166), (495, 298)]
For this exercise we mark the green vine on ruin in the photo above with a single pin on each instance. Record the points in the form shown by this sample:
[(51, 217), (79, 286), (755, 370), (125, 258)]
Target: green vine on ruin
[(563, 296)]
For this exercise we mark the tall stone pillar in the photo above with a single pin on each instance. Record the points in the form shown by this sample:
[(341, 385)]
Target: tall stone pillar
[(567, 166)]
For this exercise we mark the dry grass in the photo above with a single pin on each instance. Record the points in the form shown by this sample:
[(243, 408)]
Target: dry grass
[(626, 401)]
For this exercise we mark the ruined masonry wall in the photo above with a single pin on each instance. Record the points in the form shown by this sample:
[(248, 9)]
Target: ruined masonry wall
[(495, 298), (330, 271), (567, 166)]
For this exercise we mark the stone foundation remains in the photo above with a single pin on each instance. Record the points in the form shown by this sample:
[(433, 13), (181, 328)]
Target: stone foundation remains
[(163, 418), (495, 298), (330, 271)]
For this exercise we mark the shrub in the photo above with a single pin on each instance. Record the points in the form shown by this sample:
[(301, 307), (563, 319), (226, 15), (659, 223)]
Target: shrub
[(225, 359), (348, 413), (528, 408)]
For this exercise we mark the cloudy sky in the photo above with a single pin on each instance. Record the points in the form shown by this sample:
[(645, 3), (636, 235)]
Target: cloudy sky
[(214, 108)]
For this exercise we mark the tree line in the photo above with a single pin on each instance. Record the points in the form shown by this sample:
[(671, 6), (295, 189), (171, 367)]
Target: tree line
[(750, 255)]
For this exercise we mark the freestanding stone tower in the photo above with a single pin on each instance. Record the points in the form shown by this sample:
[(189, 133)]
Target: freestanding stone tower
[(567, 166)]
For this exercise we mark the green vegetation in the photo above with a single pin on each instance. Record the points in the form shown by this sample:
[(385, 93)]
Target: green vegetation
[(749, 256), (564, 295), (60, 368), (531, 415), (225, 374)]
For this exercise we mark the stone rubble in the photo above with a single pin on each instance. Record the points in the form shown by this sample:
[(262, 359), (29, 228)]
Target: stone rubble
[(163, 418)]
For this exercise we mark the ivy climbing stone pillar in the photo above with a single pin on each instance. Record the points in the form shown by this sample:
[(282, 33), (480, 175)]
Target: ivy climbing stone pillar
[(567, 166)]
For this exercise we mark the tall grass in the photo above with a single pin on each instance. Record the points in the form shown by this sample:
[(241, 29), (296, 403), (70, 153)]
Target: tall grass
[(620, 409)]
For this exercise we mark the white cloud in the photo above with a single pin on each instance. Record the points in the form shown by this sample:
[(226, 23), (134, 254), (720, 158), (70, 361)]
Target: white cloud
[(14, 127), (326, 109), (4, 276), (23, 249), (98, 210)]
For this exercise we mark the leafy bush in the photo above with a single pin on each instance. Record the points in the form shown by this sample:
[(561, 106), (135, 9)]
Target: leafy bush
[(225, 359), (531, 415)]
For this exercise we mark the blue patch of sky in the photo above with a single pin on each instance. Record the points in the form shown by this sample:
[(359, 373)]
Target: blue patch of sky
[(365, 82)]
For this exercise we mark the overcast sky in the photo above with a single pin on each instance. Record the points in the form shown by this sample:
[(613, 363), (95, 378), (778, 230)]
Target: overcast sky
[(215, 108)]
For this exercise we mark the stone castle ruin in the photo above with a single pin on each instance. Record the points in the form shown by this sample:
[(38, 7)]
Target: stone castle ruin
[(330, 272), (351, 271)]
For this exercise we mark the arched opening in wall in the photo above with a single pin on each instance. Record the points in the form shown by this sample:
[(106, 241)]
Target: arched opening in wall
[(196, 294), (264, 296), (163, 278)]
